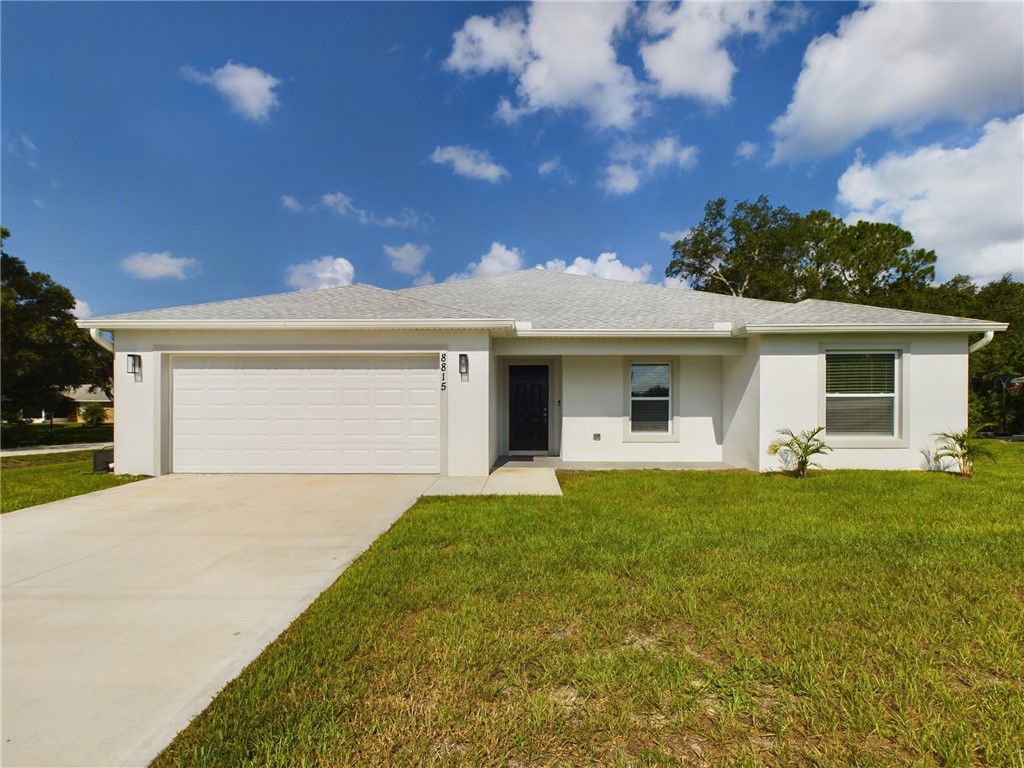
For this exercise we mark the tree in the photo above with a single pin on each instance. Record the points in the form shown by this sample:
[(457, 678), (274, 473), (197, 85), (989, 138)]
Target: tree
[(765, 252), (749, 252), (796, 450), (43, 352)]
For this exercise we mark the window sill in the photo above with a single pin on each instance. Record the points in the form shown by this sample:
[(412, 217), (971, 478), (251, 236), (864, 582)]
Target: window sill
[(865, 441), (649, 437)]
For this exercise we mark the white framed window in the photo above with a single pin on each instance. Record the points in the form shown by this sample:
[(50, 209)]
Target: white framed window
[(861, 393), (650, 398)]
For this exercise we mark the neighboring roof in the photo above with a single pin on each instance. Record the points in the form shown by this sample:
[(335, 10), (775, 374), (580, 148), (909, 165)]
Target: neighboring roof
[(83, 395), (539, 302)]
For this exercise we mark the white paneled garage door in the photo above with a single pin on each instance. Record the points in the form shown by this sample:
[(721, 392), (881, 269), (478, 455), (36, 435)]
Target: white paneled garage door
[(315, 414)]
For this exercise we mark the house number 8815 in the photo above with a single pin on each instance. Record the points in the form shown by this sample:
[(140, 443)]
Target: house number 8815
[(444, 371)]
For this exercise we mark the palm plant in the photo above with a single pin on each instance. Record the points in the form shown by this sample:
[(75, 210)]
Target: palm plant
[(964, 448), (796, 450)]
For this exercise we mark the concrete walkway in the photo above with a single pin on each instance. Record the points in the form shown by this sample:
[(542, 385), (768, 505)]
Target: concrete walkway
[(126, 610), (503, 481)]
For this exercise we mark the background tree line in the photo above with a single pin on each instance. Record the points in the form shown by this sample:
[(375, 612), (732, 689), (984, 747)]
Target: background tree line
[(761, 251), (43, 353)]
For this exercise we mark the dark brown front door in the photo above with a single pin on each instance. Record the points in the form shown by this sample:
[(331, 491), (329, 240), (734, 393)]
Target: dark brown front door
[(527, 407)]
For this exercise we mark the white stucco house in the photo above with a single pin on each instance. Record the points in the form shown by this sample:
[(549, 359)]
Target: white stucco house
[(448, 378)]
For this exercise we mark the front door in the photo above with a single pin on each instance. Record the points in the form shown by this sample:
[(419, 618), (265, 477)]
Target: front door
[(528, 408)]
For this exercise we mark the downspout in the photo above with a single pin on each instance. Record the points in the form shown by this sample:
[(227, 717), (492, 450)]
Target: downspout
[(984, 341), (94, 334)]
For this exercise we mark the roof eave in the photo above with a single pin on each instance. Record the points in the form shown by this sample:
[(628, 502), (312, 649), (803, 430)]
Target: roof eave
[(113, 324), (798, 328), (622, 333)]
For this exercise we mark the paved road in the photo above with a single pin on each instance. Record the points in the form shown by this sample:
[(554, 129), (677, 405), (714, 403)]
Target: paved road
[(126, 610)]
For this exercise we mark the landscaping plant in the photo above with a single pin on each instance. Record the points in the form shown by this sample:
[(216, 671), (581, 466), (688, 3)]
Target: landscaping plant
[(796, 450), (964, 448), (94, 414)]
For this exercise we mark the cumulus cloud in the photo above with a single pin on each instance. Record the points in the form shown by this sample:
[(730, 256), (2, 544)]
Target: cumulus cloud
[(325, 272), (673, 237), (966, 203), (249, 90), (289, 203), (497, 261), (607, 265), (634, 163), (554, 166), (407, 258), (81, 310), (746, 150), (159, 266), (425, 279), (690, 58), (901, 66), (561, 56), (341, 205), (469, 162)]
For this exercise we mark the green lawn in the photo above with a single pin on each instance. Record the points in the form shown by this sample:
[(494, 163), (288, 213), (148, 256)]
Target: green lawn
[(659, 618), (29, 480), (35, 435)]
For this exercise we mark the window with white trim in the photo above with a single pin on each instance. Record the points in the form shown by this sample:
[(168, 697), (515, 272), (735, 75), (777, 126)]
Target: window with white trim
[(860, 393), (650, 397)]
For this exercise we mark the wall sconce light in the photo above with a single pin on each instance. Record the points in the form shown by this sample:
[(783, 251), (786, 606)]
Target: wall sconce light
[(464, 365), (135, 364)]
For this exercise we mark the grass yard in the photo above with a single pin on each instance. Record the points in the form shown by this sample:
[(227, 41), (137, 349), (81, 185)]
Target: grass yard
[(658, 618), (29, 480), (35, 435)]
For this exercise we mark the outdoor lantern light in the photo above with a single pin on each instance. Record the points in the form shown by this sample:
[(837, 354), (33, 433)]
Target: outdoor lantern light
[(135, 364), (464, 364)]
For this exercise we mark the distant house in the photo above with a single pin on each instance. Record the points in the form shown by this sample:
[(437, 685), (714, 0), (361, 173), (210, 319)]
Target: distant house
[(448, 378), (81, 397)]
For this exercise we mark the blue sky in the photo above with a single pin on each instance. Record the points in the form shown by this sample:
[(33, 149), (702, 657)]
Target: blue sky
[(157, 154)]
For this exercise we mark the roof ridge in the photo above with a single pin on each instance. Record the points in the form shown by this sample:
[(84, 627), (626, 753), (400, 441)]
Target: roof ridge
[(899, 310)]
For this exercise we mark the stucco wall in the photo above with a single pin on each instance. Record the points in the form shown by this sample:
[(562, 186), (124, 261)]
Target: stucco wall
[(142, 430), (741, 407), (595, 402), (932, 396)]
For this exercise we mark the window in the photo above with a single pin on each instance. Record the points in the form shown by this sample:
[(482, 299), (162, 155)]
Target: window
[(650, 397), (860, 393)]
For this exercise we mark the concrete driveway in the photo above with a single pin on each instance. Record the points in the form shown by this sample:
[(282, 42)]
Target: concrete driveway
[(126, 610)]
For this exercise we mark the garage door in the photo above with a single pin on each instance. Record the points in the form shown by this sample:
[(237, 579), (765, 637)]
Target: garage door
[(306, 414)]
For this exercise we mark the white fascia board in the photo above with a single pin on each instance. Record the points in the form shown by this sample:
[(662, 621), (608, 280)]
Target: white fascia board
[(796, 328), (638, 333), (233, 325)]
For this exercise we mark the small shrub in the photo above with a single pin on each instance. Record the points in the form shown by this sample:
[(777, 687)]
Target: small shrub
[(964, 448), (94, 414), (796, 450)]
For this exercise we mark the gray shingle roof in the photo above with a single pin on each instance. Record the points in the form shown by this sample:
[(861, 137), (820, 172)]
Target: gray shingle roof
[(559, 301), (539, 300), (350, 302)]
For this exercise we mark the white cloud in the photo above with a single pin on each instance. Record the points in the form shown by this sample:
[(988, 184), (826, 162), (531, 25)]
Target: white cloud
[(746, 150), (159, 266), (690, 57), (325, 272), (555, 165), (607, 265), (469, 162), (249, 90), (81, 310), (497, 261), (425, 279), (676, 282), (966, 203), (635, 163), (562, 57), (341, 205), (673, 237), (901, 66), (490, 44), (289, 203), (407, 258), (38, 203)]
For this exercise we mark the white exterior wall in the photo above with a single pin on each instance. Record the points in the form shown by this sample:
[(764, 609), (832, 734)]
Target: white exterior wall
[(142, 429), (931, 396), (595, 402), (741, 407)]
